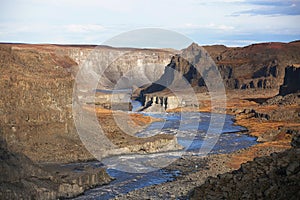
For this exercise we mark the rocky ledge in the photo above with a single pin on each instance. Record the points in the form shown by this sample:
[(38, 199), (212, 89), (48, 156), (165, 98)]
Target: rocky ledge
[(22, 179)]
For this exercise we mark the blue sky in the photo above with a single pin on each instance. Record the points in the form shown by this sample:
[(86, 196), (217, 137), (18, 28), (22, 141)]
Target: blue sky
[(229, 22)]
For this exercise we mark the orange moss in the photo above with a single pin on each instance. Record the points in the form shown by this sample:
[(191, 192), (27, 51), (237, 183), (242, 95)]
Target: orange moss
[(136, 118), (142, 120), (257, 127), (255, 151), (98, 110)]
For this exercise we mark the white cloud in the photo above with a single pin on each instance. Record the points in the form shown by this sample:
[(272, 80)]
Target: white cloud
[(34, 21), (221, 27), (228, 1), (234, 43), (84, 28), (112, 5)]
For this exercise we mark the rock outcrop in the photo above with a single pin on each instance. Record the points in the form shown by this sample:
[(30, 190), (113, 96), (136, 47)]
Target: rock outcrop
[(272, 177), (160, 103), (291, 82), (190, 69)]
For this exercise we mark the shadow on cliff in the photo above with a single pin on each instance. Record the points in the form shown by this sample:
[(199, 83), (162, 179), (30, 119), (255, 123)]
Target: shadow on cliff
[(21, 178)]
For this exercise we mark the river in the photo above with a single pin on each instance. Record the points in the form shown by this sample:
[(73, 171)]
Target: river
[(190, 133)]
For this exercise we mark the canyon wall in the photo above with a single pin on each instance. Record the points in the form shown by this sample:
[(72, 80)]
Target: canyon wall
[(36, 104), (258, 66), (121, 68), (36, 96), (23, 179)]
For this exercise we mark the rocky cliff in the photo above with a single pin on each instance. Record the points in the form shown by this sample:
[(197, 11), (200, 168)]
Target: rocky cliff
[(36, 99), (189, 72), (255, 66), (291, 82), (120, 68), (259, 66), (36, 93)]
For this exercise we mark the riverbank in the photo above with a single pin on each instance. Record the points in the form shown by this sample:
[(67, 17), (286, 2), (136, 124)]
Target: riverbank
[(120, 128), (195, 170), (189, 135), (250, 113)]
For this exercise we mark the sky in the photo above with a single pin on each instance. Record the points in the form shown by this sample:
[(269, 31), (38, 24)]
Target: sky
[(228, 22)]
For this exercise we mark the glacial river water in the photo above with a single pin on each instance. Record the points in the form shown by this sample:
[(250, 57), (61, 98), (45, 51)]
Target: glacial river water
[(190, 131)]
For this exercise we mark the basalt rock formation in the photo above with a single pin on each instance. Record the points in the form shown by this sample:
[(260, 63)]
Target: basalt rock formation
[(259, 66), (182, 71), (36, 101), (120, 68), (190, 71), (251, 67), (291, 82), (272, 177), (287, 101), (255, 66)]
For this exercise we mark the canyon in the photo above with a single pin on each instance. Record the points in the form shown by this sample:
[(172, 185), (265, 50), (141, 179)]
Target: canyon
[(37, 93)]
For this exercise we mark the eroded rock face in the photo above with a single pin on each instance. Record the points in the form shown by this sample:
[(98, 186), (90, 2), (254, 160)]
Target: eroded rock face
[(291, 82), (36, 94), (271, 177), (36, 101), (258, 66), (186, 70), (121, 68)]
